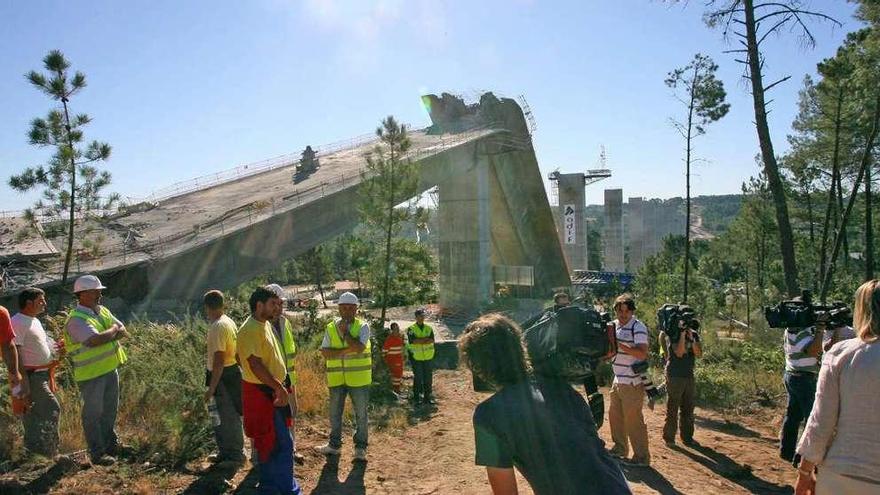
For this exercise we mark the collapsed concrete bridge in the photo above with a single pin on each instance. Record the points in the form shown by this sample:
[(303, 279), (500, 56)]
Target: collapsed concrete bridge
[(218, 232)]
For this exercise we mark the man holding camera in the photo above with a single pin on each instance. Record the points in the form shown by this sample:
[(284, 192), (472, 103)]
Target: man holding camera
[(681, 351), (839, 331), (802, 347)]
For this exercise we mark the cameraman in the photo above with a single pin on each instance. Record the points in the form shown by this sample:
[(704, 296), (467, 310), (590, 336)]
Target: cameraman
[(537, 425), (802, 347), (841, 331), (680, 385)]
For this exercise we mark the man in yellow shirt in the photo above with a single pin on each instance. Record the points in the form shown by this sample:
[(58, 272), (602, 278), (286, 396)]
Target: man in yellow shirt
[(265, 388), (223, 379)]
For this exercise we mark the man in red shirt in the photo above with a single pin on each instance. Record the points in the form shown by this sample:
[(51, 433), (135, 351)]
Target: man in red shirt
[(10, 353)]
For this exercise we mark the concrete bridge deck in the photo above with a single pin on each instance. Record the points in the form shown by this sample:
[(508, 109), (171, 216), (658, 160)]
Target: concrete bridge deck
[(493, 211)]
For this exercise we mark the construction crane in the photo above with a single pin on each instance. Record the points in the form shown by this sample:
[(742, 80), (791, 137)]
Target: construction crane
[(591, 176)]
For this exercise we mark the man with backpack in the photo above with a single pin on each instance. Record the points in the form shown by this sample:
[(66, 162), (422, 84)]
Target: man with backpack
[(628, 391)]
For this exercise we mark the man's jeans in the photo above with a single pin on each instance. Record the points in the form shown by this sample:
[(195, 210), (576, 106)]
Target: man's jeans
[(100, 397), (423, 378), (41, 420), (360, 397), (801, 388)]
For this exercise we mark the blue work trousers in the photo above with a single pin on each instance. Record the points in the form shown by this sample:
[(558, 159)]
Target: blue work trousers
[(276, 474)]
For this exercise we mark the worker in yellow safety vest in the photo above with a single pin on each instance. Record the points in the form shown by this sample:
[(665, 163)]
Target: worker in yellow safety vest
[(420, 347), (347, 351), (284, 333), (91, 339)]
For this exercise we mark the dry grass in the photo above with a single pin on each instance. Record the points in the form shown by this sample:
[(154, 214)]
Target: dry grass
[(311, 383)]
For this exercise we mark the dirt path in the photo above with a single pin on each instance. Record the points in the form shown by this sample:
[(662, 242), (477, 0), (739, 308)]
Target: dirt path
[(434, 454)]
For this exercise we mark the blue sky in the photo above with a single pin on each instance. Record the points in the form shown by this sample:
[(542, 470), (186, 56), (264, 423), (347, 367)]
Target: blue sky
[(186, 88)]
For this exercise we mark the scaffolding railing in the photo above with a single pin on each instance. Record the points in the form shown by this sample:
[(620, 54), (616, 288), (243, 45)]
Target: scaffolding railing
[(250, 169)]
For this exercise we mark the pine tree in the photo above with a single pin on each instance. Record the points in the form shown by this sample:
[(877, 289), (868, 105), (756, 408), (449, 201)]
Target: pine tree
[(70, 181)]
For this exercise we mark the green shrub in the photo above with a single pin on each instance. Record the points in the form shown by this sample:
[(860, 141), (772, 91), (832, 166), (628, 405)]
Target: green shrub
[(739, 375)]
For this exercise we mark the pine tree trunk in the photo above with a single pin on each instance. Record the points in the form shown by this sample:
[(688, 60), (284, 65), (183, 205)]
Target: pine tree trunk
[(869, 227), (812, 222), (771, 168), (687, 223), (843, 220), (864, 164), (748, 301), (835, 170), (388, 239), (71, 219)]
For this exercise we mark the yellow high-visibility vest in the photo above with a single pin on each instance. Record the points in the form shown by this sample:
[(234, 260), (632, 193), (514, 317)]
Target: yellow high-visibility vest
[(421, 352), (92, 362), (353, 370)]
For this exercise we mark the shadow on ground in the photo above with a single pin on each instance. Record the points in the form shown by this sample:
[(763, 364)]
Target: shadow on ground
[(729, 469), (44, 482), (651, 478), (421, 413), (215, 479), (248, 486), (728, 427), (329, 482)]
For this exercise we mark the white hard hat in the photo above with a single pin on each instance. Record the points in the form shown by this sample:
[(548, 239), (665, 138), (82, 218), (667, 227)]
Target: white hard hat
[(87, 282), (348, 298), (278, 290)]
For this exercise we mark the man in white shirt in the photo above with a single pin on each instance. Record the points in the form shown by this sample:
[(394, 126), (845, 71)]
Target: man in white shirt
[(38, 356), (627, 392)]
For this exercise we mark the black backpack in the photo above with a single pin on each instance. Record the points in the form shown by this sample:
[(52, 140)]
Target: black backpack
[(569, 343)]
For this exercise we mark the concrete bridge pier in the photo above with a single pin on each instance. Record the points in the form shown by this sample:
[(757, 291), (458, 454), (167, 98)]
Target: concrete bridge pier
[(465, 278)]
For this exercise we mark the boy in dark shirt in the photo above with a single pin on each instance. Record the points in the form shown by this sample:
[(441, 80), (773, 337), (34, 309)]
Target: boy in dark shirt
[(543, 428)]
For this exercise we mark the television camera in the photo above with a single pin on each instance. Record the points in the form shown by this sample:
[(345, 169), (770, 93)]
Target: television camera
[(801, 312), (673, 318)]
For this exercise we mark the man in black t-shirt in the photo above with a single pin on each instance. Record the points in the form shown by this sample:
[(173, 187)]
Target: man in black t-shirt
[(543, 428), (680, 385)]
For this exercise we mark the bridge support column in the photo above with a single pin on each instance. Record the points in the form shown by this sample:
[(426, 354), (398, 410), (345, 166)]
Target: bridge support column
[(465, 245)]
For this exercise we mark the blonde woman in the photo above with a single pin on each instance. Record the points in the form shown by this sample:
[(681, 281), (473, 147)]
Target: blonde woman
[(841, 435)]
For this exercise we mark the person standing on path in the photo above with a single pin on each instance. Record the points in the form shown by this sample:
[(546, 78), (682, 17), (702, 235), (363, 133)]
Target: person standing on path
[(264, 396), (38, 354), (91, 339), (680, 384), (540, 426), (420, 337), (284, 333), (347, 351), (223, 379), (20, 395), (841, 434), (627, 391), (392, 352), (802, 347)]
